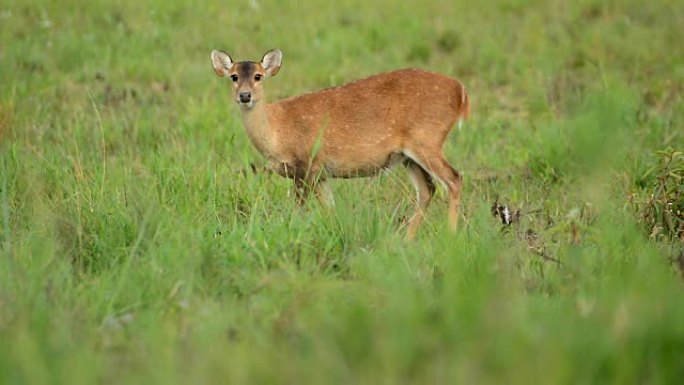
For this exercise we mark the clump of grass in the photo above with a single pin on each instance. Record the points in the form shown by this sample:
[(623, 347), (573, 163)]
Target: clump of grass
[(6, 115), (448, 41), (419, 52), (661, 211)]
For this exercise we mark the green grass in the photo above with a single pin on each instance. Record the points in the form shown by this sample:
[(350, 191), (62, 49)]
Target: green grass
[(136, 249)]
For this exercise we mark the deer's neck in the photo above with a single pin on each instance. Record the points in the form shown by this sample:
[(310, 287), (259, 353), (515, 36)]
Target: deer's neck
[(258, 129)]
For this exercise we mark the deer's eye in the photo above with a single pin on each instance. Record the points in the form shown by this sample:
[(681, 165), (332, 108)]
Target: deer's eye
[(234, 77), (257, 77)]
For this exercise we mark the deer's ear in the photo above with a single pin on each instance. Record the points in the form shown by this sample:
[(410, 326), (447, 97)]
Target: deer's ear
[(222, 62), (272, 61)]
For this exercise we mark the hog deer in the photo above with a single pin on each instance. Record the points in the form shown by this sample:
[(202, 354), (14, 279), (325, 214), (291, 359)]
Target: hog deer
[(354, 130)]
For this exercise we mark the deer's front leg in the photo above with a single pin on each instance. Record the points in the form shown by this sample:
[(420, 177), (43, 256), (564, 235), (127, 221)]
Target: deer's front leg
[(303, 184), (302, 190)]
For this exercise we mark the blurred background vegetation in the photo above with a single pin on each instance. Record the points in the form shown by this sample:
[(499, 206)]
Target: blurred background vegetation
[(136, 245)]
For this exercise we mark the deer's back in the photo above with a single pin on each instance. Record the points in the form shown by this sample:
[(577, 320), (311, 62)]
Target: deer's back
[(367, 119)]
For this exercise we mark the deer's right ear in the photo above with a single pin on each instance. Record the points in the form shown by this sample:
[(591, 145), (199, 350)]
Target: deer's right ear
[(222, 62)]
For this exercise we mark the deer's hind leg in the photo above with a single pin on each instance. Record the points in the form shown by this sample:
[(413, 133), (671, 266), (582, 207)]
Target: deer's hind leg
[(438, 167), (425, 189)]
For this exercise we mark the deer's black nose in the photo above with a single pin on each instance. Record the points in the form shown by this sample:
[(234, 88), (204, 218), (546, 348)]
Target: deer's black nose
[(245, 97)]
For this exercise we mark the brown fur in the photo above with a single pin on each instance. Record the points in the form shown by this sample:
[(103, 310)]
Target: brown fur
[(358, 129)]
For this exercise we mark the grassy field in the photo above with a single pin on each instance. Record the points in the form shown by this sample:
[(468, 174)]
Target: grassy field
[(137, 247)]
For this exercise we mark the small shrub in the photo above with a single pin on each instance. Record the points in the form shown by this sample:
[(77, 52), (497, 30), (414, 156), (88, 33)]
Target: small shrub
[(419, 53), (448, 41)]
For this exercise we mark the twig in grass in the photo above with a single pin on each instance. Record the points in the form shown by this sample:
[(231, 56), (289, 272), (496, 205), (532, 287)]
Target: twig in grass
[(531, 237)]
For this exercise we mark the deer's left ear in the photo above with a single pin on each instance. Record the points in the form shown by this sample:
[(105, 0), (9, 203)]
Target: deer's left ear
[(272, 61), (222, 62)]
